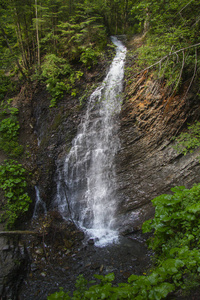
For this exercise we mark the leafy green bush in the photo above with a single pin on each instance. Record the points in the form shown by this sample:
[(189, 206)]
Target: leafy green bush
[(13, 184), (176, 242), (176, 227), (59, 77), (6, 85), (9, 131), (176, 219), (54, 69), (89, 57)]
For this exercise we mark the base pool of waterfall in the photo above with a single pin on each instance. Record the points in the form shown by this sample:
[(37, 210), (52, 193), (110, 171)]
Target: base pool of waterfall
[(86, 186)]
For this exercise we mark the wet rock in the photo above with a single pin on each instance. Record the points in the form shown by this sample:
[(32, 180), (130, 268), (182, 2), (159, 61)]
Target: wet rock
[(39, 251), (6, 248), (68, 243), (91, 242), (43, 274), (126, 274), (101, 268), (109, 269), (96, 265), (34, 267), (13, 268)]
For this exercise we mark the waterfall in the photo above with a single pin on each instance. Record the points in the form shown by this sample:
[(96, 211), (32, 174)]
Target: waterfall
[(86, 185), (40, 205)]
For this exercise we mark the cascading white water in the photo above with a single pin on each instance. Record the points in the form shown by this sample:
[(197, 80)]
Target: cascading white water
[(86, 187), (40, 205)]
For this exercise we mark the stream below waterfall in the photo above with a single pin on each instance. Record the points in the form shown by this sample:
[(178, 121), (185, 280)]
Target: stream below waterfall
[(55, 269)]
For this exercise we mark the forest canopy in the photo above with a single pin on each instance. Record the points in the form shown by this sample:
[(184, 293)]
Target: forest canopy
[(35, 34)]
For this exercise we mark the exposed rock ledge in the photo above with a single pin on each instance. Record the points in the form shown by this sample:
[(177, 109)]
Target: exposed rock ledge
[(147, 165)]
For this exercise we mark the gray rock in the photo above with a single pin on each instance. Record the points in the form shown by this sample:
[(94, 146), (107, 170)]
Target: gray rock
[(13, 267), (147, 165)]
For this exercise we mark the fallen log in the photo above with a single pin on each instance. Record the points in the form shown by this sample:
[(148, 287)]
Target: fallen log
[(18, 232)]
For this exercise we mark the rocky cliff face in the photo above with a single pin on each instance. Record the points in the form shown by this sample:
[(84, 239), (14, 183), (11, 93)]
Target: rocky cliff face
[(13, 266), (147, 164)]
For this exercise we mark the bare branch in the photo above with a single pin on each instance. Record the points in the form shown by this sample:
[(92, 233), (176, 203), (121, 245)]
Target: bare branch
[(165, 66), (184, 7), (195, 70), (11, 51), (177, 58), (181, 72), (196, 22), (177, 83), (18, 232)]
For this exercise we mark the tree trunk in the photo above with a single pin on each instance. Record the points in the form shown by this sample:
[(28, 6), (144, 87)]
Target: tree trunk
[(19, 36), (37, 34), (16, 232), (125, 16), (11, 51)]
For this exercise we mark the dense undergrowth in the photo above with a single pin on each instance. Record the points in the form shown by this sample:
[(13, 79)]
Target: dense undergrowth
[(13, 183), (9, 130)]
